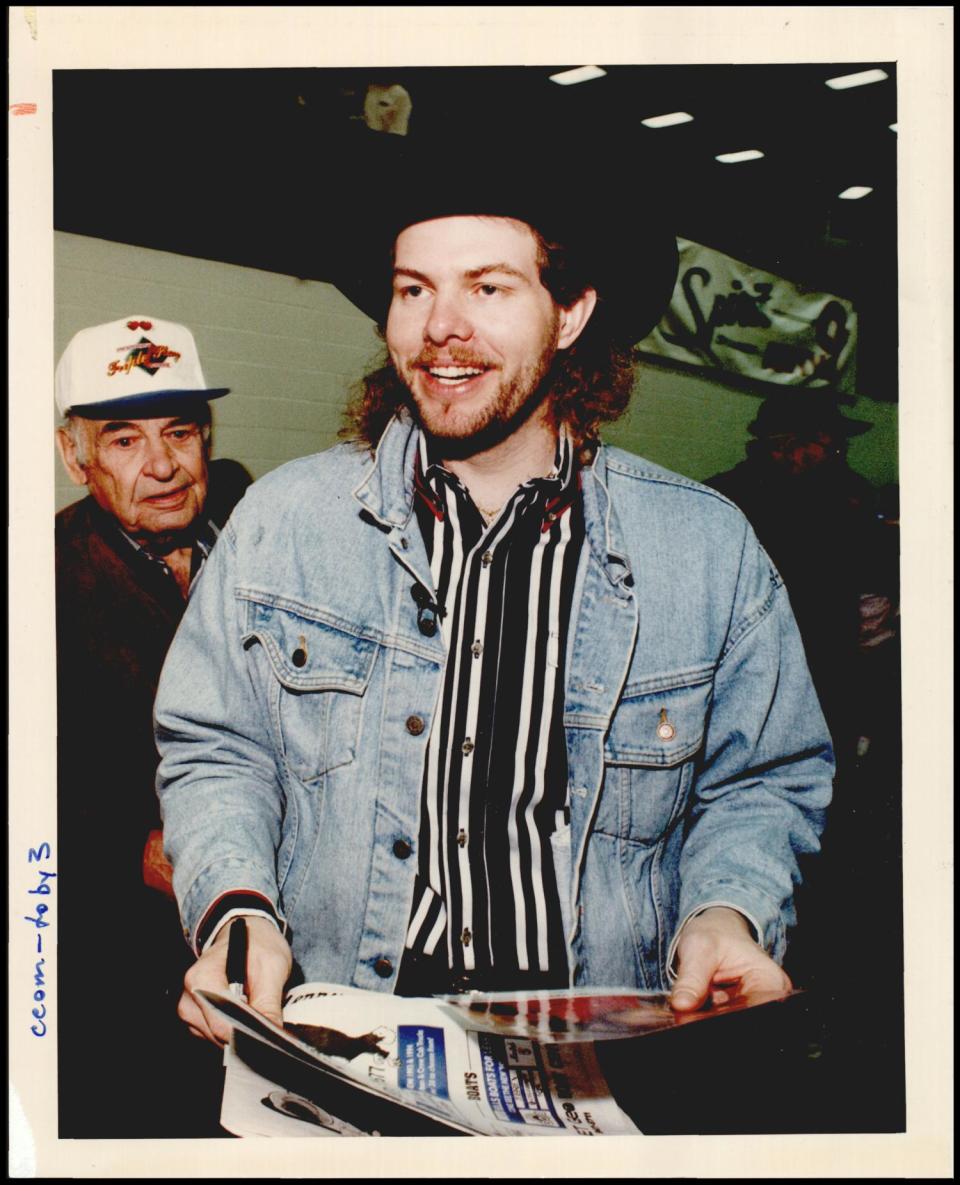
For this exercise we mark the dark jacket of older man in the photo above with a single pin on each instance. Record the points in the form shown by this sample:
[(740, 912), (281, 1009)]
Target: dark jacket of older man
[(117, 612)]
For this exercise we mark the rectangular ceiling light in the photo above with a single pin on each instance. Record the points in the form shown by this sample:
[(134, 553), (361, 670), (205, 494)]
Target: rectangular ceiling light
[(580, 74), (856, 191), (843, 81), (667, 121), (734, 158)]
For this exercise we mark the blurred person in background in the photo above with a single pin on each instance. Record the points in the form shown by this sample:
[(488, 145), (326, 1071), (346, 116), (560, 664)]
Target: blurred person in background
[(837, 549), (819, 521)]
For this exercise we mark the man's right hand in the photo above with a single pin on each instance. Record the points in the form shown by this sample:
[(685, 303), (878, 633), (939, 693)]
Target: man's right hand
[(269, 963)]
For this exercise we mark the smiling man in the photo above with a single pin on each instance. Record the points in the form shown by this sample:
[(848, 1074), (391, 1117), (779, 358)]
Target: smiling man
[(135, 434), (473, 700), (473, 342)]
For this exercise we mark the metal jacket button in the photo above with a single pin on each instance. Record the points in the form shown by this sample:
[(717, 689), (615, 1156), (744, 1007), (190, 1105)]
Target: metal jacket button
[(415, 725), (299, 656), (401, 849), (665, 730), (384, 968)]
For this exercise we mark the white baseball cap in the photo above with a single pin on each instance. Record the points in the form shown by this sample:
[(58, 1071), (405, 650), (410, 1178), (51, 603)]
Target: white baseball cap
[(139, 366)]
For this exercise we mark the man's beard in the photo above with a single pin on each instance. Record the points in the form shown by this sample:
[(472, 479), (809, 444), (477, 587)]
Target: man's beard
[(497, 420)]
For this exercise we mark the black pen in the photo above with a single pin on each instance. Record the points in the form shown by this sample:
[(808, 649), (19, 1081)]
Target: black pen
[(237, 959)]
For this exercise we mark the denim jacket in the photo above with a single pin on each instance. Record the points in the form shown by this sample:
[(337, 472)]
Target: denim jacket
[(296, 702)]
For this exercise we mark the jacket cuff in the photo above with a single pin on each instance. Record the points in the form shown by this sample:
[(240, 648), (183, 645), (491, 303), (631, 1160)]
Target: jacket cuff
[(223, 878), (230, 905)]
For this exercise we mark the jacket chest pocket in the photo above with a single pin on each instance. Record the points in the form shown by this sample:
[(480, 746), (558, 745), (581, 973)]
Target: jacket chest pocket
[(320, 675), (649, 757)]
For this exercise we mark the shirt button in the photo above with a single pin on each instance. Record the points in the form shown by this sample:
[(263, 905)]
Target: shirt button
[(487, 559), (401, 849), (415, 725), (465, 937), (477, 648), (467, 747), (462, 838), (384, 968)]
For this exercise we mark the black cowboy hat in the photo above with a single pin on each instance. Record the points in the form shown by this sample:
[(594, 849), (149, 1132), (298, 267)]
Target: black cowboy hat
[(616, 237), (804, 411)]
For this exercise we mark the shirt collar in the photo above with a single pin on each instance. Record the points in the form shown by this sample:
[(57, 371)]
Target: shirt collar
[(432, 480), (204, 536)]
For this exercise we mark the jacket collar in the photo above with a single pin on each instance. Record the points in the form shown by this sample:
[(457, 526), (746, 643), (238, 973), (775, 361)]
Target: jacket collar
[(604, 535), (387, 492)]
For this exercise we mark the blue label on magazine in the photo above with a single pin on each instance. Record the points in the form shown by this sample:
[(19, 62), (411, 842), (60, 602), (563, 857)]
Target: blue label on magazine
[(423, 1062)]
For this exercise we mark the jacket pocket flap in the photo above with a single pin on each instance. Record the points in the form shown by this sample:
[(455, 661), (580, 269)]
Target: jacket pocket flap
[(659, 728), (310, 655)]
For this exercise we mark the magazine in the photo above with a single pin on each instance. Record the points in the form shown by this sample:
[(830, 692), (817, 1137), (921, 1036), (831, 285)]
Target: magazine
[(351, 1062)]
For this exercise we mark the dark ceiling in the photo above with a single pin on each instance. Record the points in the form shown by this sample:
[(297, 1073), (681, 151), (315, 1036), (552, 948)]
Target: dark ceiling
[(234, 165)]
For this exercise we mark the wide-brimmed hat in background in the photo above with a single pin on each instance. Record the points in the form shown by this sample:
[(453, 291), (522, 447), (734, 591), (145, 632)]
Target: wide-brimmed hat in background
[(138, 366), (804, 413), (616, 236)]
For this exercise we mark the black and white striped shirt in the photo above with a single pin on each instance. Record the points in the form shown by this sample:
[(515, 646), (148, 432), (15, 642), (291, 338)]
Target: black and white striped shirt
[(495, 778)]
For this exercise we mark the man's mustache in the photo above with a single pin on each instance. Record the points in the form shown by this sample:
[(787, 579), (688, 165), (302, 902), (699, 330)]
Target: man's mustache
[(428, 358)]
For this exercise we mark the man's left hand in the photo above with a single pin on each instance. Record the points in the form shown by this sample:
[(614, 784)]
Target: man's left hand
[(718, 957), (157, 869)]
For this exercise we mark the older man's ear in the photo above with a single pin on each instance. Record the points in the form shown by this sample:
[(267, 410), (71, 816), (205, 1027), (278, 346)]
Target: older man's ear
[(69, 454)]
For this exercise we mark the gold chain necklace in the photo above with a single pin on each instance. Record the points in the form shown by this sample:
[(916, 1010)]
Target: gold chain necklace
[(488, 514)]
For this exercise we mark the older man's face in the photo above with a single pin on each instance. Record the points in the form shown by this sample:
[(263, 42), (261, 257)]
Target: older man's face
[(471, 330), (151, 474)]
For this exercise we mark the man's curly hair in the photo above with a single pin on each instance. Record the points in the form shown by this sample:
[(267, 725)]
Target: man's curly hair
[(589, 383)]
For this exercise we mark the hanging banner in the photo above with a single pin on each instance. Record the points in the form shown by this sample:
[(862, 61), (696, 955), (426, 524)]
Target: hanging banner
[(726, 315)]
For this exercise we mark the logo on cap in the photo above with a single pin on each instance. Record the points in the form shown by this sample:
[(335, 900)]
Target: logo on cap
[(144, 355)]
